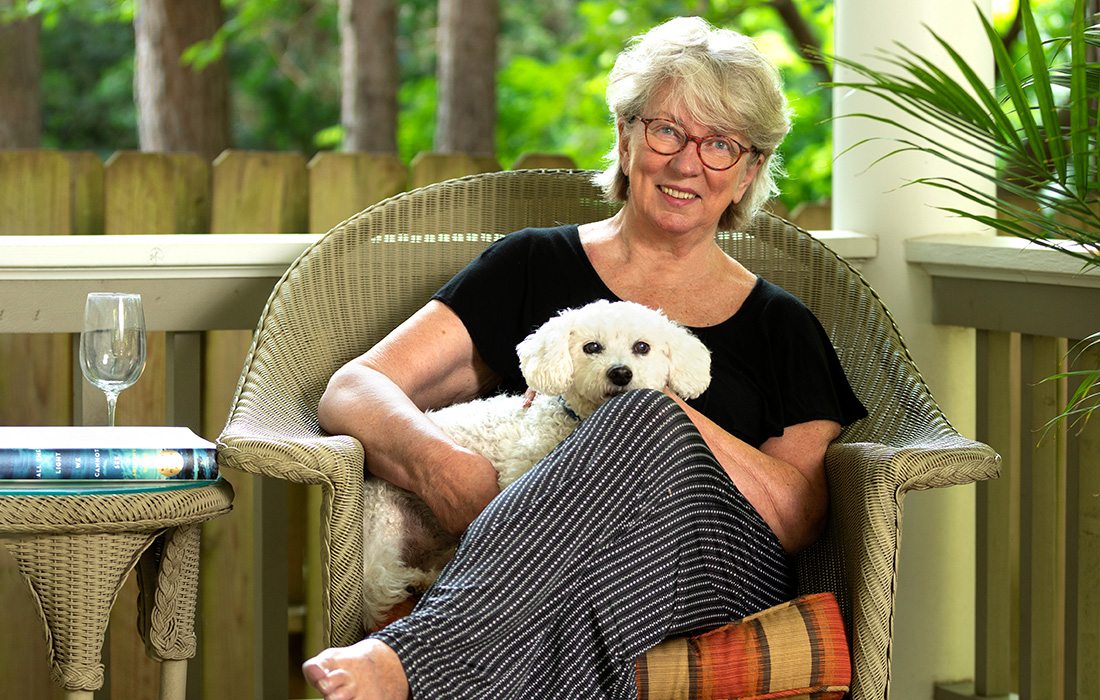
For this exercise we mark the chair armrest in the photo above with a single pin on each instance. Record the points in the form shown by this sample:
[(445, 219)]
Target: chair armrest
[(867, 485), (315, 459), (949, 460), (336, 464)]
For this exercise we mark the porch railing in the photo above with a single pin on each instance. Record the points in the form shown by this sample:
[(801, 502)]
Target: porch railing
[(205, 278), (1038, 526)]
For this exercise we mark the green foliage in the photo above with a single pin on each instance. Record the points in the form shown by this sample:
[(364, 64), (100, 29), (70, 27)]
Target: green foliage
[(1044, 141), (284, 65), (1019, 124), (88, 104), (554, 57), (52, 12)]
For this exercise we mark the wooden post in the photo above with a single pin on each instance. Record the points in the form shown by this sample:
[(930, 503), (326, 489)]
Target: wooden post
[(245, 577), (1083, 596), (1042, 527), (147, 193), (998, 516)]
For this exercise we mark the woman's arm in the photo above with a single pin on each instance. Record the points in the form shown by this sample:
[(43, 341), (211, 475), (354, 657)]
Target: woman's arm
[(379, 398), (784, 480)]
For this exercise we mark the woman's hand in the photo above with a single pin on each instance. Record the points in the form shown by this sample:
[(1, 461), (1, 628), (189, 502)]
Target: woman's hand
[(458, 489), (380, 397), (784, 480)]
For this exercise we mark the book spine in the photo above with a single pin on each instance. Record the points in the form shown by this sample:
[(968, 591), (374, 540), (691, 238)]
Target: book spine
[(93, 463)]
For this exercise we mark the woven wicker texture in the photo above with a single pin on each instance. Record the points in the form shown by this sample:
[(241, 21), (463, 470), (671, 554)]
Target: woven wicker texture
[(372, 271), (76, 551)]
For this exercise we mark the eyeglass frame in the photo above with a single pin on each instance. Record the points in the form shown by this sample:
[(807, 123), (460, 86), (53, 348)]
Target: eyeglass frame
[(698, 142)]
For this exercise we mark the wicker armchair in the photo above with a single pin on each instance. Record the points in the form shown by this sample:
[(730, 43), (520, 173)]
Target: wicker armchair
[(372, 271)]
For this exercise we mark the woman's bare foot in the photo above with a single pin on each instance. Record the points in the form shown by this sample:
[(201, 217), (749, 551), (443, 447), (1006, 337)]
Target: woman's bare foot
[(367, 670)]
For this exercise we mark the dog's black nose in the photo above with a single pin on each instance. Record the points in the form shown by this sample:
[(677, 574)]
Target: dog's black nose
[(620, 375)]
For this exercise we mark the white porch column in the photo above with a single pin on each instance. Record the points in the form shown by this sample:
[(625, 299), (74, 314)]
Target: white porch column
[(934, 626)]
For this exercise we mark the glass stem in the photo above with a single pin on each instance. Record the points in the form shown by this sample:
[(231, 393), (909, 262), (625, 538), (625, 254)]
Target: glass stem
[(112, 399)]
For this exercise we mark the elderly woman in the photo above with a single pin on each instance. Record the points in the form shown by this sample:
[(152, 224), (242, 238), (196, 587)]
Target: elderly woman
[(656, 517)]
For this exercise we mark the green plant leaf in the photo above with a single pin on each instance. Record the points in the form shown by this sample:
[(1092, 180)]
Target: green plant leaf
[(1078, 103), (1040, 75), (1014, 86)]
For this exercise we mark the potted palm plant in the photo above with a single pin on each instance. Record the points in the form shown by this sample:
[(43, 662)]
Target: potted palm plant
[(1041, 127)]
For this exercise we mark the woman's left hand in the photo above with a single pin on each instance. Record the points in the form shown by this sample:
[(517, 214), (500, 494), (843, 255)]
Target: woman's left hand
[(784, 480)]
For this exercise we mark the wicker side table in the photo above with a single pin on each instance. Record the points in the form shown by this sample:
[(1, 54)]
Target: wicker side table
[(75, 549)]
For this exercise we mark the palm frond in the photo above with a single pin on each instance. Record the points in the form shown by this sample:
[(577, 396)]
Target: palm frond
[(964, 123)]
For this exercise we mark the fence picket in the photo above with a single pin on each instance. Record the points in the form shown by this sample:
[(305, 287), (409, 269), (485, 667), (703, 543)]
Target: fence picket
[(343, 184), (147, 193), (1042, 529), (998, 516), (1084, 529), (532, 161), (428, 168), (252, 193), (87, 195), (36, 197)]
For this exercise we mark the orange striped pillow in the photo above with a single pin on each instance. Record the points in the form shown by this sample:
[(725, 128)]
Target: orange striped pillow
[(795, 649)]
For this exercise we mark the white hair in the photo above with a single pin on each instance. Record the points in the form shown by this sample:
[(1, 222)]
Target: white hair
[(722, 80)]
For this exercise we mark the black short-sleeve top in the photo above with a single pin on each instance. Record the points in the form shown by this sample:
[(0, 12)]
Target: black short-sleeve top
[(772, 364)]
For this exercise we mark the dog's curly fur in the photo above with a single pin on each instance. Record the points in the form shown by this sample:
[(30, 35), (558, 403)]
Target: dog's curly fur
[(575, 361)]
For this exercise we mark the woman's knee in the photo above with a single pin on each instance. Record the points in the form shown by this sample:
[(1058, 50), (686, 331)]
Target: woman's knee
[(645, 404), (642, 430)]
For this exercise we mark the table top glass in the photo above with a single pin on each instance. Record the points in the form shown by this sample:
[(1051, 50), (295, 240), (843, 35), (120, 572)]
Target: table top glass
[(61, 487)]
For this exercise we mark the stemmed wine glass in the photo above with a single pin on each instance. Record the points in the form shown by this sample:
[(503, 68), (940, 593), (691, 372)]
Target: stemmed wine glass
[(112, 344)]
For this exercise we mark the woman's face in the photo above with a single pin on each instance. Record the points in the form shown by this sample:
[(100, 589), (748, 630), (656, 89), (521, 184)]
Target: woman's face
[(678, 194)]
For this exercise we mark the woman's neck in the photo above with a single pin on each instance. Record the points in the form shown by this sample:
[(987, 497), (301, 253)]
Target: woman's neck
[(690, 278), (628, 241)]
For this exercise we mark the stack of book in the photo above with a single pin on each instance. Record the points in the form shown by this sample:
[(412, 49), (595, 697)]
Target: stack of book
[(32, 455)]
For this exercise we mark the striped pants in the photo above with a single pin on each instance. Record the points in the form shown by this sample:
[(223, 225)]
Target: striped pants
[(627, 533)]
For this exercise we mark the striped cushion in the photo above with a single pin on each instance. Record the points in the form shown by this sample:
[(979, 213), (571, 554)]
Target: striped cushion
[(796, 649)]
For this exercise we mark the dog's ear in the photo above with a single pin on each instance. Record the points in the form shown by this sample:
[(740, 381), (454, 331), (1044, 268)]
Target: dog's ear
[(544, 357), (689, 364)]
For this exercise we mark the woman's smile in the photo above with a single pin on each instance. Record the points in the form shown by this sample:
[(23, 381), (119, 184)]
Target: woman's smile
[(679, 194)]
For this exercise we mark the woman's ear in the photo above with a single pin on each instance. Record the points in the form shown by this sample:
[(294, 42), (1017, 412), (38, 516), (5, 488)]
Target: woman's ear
[(624, 147), (544, 358), (750, 174), (689, 364)]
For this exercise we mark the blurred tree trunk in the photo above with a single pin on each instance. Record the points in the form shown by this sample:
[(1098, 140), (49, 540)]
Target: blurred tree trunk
[(180, 107), (467, 112), (803, 35), (369, 74), (20, 83)]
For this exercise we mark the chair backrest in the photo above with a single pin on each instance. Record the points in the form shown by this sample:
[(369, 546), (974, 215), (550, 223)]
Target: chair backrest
[(371, 272)]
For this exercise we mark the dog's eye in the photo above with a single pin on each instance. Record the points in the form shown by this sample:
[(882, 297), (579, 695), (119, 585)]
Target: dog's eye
[(641, 348), (592, 348)]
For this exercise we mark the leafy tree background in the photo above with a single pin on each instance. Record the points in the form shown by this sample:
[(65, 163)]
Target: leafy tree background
[(554, 59)]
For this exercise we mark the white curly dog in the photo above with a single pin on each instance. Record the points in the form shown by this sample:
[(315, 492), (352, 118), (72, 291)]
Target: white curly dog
[(573, 363)]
